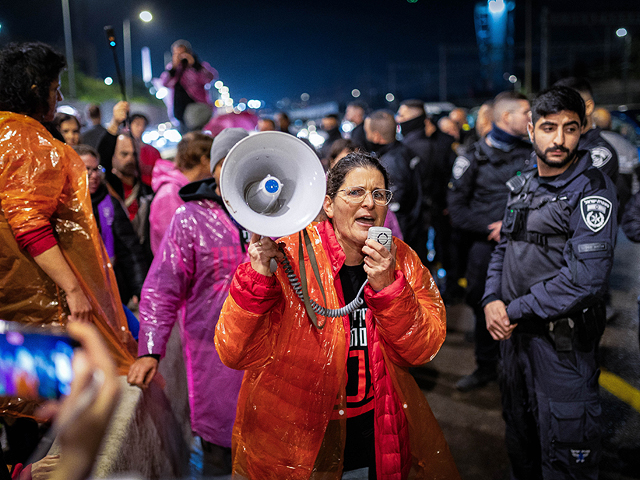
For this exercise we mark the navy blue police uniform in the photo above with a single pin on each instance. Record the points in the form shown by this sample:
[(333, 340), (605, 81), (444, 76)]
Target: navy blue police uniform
[(551, 269), (603, 155), (476, 198)]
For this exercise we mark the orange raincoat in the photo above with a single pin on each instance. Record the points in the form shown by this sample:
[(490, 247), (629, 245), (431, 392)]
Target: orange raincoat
[(291, 419), (44, 182)]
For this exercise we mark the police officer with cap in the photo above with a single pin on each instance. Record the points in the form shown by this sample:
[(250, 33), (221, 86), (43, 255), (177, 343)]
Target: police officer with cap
[(544, 297)]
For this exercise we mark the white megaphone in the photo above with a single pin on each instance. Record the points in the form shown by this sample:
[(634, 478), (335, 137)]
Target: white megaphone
[(273, 184)]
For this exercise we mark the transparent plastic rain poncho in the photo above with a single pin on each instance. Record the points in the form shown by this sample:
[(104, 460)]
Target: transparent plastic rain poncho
[(291, 410), (188, 282), (44, 182)]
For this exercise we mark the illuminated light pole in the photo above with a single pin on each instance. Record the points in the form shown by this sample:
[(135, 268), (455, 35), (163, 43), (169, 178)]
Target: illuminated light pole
[(146, 17), (68, 46), (623, 33)]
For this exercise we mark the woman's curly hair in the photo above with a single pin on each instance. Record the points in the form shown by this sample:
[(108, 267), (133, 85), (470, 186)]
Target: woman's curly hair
[(24, 66)]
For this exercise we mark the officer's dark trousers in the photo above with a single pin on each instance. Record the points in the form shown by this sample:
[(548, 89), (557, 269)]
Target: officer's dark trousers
[(551, 408), (487, 349)]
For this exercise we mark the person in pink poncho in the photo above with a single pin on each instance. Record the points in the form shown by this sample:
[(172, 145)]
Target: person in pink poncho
[(189, 281)]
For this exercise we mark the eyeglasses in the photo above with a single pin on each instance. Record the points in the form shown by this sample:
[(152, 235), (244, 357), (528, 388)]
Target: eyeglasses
[(356, 195), (99, 170)]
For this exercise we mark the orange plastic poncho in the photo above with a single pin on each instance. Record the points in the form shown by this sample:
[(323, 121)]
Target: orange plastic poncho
[(43, 181), (291, 421)]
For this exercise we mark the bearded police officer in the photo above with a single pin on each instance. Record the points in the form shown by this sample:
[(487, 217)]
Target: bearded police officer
[(543, 297), (476, 199)]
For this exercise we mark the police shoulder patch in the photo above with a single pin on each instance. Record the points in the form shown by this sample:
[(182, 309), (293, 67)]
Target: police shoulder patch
[(600, 156), (460, 166), (595, 212)]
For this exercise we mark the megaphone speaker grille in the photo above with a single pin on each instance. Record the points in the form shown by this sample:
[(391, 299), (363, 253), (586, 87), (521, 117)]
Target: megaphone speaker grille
[(274, 212)]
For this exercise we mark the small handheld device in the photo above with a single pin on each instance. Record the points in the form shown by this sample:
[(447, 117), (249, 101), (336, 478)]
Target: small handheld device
[(35, 363), (381, 235)]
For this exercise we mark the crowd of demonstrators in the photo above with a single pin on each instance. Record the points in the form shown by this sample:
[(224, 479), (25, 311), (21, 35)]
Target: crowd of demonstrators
[(121, 243), (516, 205)]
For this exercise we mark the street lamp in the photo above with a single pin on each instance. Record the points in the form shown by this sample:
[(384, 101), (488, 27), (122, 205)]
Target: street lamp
[(623, 33), (66, 19), (146, 17)]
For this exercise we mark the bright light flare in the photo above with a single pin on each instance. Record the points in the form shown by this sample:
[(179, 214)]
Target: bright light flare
[(316, 139), (150, 136), (355, 93), (390, 97), (162, 92), (108, 81), (172, 135), (496, 6), (146, 16), (621, 32)]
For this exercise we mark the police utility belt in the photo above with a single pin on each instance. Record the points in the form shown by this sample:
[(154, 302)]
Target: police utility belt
[(581, 329)]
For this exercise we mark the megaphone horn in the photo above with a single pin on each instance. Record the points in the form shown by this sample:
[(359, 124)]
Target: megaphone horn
[(273, 184)]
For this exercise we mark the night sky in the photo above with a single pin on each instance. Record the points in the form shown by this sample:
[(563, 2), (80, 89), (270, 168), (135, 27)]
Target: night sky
[(271, 50)]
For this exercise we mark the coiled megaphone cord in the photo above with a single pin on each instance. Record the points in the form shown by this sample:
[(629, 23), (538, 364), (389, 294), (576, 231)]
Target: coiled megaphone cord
[(319, 309)]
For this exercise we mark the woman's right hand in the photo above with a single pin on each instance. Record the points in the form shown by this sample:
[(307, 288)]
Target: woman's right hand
[(261, 251), (79, 305)]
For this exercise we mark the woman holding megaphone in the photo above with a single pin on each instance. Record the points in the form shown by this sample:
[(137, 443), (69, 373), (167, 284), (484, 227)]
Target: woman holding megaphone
[(324, 393)]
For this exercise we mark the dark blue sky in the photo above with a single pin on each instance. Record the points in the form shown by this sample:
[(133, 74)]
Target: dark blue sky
[(275, 49)]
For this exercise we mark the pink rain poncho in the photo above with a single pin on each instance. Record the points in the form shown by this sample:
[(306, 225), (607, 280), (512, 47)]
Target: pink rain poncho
[(189, 281), (166, 182)]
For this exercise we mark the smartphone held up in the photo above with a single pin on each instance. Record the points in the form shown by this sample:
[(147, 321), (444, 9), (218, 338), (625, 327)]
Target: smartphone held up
[(35, 363)]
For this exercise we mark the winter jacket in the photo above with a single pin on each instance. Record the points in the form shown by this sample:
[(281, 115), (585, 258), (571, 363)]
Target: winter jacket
[(166, 182), (436, 160), (291, 420), (603, 155), (44, 182), (188, 281), (401, 164), (123, 247), (478, 192)]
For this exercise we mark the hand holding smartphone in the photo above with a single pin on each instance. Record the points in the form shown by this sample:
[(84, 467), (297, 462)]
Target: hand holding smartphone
[(35, 363)]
